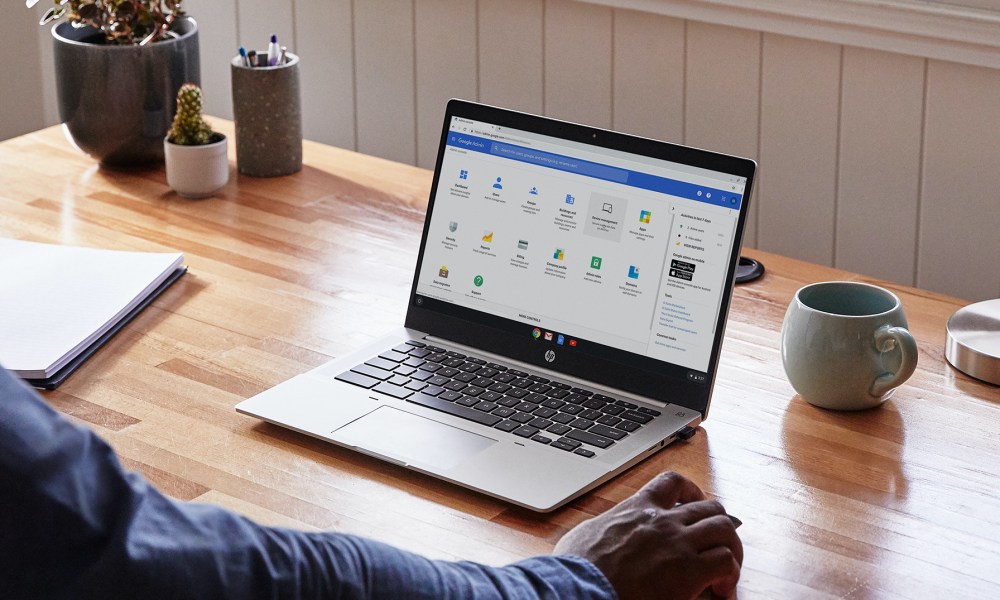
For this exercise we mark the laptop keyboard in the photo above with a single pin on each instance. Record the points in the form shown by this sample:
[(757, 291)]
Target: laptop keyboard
[(542, 410)]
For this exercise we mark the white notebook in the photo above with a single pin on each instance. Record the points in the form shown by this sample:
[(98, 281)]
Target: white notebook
[(58, 301)]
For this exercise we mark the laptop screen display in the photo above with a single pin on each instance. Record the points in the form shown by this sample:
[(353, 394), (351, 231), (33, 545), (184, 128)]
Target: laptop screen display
[(582, 244)]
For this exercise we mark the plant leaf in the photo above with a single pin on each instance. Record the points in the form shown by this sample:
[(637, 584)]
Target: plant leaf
[(52, 14)]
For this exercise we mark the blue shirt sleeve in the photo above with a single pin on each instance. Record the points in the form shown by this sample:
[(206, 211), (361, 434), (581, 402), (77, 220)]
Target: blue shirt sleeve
[(74, 524)]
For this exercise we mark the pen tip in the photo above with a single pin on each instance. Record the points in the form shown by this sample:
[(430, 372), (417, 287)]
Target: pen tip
[(274, 38)]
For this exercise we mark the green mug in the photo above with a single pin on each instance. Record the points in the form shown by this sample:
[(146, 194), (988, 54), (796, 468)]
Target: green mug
[(845, 345)]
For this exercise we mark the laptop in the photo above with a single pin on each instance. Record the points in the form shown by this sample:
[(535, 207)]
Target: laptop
[(567, 310)]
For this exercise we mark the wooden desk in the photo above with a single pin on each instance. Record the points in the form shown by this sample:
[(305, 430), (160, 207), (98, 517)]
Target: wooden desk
[(898, 502)]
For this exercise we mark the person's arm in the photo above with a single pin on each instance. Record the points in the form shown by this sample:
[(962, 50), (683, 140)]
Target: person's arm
[(74, 524)]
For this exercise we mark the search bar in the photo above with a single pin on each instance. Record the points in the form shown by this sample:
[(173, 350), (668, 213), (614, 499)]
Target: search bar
[(556, 161)]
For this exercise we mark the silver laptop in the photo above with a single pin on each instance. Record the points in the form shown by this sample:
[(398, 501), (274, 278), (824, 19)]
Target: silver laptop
[(566, 315)]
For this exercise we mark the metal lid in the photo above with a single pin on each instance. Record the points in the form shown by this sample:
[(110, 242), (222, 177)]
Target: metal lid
[(973, 345)]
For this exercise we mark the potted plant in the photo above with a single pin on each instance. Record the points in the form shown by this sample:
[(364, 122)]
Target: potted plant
[(196, 157), (118, 66)]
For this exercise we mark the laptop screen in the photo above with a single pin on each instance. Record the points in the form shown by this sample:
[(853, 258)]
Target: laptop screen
[(582, 247)]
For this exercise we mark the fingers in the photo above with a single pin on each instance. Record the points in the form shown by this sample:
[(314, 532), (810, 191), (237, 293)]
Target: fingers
[(723, 570), (715, 532), (669, 489), (693, 512)]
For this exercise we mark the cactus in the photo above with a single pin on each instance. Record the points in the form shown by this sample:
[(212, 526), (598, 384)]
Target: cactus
[(189, 127)]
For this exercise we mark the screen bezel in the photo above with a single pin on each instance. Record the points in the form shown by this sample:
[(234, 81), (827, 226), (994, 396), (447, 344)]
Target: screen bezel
[(603, 365)]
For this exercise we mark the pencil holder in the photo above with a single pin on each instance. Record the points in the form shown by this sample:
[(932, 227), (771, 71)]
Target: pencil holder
[(268, 114)]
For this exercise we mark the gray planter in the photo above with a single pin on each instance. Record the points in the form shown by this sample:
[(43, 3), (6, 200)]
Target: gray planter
[(117, 102)]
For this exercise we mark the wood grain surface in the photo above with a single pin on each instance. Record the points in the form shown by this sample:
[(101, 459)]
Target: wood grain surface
[(286, 273)]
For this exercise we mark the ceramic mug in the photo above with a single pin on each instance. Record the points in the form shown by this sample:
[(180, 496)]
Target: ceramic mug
[(845, 345)]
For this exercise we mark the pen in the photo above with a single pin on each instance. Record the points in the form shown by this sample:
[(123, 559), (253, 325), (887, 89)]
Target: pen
[(244, 57), (284, 55), (252, 57), (273, 51)]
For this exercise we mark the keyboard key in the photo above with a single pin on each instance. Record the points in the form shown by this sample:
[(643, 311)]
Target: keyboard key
[(504, 412), (504, 378), (540, 422), (609, 420), (525, 431), (453, 409), (404, 370), (527, 407), (517, 373), (430, 367), (450, 396), (416, 386), (564, 418), (381, 363), (421, 375), (517, 392), (467, 401), (553, 403), (584, 452), (403, 348), (357, 379), (464, 377), (393, 356), (416, 343), (499, 387), (522, 383), (508, 401), (435, 358), (538, 378), (393, 390), (506, 426), (541, 439), (605, 431), (482, 382), (582, 424), (603, 397), (432, 390), (414, 362), (590, 414), (454, 386), (561, 446), (522, 417), (496, 366), (589, 438), (540, 388), (638, 417), (437, 349), (557, 393), (493, 397), (648, 411), (487, 372), (473, 391), (559, 429), (627, 426), (576, 398), (626, 404), (572, 409), (470, 367), (569, 442), (594, 403), (438, 380), (399, 380), (448, 372), (613, 409), (453, 362), (454, 354), (478, 361), (419, 352), (582, 392), (544, 412), (377, 373), (485, 406)]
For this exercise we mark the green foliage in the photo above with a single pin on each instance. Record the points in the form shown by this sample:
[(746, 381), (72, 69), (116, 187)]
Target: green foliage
[(121, 21), (189, 127)]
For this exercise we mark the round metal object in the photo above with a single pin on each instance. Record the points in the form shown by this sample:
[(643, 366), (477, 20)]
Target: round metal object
[(973, 344)]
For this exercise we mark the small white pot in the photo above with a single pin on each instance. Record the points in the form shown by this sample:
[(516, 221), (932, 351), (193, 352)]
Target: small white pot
[(197, 171)]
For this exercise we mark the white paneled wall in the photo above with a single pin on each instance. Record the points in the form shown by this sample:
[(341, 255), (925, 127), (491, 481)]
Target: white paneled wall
[(879, 162)]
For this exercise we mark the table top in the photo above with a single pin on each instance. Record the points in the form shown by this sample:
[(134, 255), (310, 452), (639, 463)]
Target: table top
[(286, 273)]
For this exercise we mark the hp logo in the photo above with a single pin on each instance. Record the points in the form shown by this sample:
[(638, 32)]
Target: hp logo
[(550, 355)]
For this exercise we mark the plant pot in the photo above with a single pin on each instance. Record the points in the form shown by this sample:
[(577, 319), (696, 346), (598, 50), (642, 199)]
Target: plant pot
[(117, 101), (197, 171)]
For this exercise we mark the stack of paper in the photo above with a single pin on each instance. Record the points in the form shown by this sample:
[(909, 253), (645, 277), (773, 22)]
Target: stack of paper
[(59, 303)]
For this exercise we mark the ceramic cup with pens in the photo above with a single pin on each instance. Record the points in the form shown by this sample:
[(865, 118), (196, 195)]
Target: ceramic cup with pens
[(268, 115), (845, 345)]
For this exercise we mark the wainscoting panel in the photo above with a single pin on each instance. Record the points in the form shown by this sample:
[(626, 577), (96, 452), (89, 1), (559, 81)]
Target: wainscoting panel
[(511, 55), (578, 62), (878, 184), (219, 41), (800, 94), (959, 232)]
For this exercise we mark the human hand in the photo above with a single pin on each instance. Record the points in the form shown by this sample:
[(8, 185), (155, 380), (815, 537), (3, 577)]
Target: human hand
[(665, 541)]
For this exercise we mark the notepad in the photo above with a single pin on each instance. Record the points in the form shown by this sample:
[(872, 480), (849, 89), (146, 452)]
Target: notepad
[(59, 303)]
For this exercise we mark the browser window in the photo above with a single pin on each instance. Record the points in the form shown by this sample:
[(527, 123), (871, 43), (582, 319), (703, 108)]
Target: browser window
[(581, 242)]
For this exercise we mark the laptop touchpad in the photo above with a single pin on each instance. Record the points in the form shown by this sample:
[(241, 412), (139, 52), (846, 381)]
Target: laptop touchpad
[(411, 439)]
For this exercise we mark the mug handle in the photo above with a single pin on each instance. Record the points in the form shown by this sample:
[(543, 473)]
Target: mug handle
[(888, 339)]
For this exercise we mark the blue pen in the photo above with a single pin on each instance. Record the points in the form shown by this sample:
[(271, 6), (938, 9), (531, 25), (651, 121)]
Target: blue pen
[(244, 57), (273, 51)]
